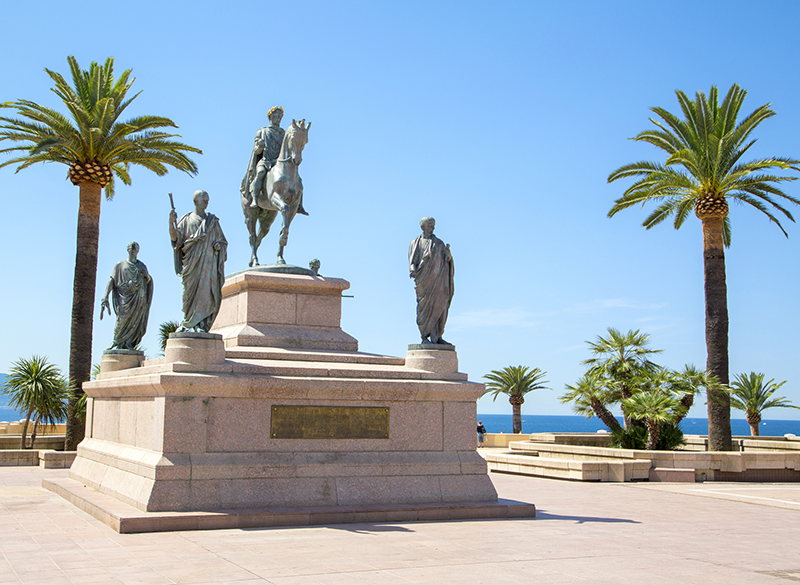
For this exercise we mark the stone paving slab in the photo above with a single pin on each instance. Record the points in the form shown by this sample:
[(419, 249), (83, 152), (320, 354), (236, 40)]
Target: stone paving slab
[(598, 533), (776, 495)]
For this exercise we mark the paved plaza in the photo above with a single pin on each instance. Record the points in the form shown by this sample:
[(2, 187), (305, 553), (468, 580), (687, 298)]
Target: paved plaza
[(584, 533)]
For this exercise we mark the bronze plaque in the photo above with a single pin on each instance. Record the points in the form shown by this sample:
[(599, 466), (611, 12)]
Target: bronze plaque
[(329, 422)]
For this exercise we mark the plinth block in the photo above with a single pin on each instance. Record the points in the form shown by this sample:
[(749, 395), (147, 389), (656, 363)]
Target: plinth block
[(295, 311), (441, 359), (114, 360), (198, 349)]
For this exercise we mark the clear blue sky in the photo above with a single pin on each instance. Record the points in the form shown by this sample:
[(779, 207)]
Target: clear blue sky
[(502, 120)]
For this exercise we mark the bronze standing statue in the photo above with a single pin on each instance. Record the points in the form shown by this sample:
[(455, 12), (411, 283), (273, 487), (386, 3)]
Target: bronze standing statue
[(131, 290), (272, 183), (431, 267), (200, 252)]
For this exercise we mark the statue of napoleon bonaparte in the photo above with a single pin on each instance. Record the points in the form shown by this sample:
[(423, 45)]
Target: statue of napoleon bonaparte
[(266, 150)]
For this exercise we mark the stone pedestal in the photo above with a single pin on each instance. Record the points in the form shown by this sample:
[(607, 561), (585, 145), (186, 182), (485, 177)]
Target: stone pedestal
[(432, 357), (293, 311), (195, 349), (120, 359), (269, 426)]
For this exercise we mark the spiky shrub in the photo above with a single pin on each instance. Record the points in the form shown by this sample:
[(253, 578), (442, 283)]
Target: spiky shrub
[(164, 331)]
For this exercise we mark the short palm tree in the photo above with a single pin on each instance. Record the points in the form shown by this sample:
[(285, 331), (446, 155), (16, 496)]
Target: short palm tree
[(589, 397), (687, 384), (750, 394), (516, 382), (702, 171), (619, 357), (96, 146), (37, 388), (655, 408)]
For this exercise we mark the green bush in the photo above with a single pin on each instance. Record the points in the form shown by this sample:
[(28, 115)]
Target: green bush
[(635, 437)]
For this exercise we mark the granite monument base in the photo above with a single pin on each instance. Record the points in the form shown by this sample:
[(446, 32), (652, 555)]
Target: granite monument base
[(210, 428)]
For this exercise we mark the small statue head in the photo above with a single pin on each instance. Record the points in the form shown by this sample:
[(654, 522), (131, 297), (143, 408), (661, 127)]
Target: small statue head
[(314, 265), (133, 249), (275, 114), (427, 224), (200, 199)]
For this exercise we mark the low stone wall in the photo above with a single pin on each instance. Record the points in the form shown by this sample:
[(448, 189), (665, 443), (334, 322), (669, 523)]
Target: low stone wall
[(46, 458), (55, 442), (15, 428), (502, 440), (762, 460)]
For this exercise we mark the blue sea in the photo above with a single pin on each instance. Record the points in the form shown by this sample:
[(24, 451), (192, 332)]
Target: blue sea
[(542, 423), (497, 423)]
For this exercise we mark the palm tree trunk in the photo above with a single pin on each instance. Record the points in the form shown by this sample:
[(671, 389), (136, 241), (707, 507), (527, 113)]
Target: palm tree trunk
[(605, 415), (33, 434), (83, 290), (625, 393), (716, 292), (25, 429), (517, 418), (754, 419), (653, 434), (685, 404)]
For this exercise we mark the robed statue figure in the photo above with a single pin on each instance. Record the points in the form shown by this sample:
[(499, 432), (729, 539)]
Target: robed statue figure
[(200, 252), (431, 267), (131, 290)]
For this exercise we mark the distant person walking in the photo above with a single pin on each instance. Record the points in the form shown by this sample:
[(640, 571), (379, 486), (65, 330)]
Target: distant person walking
[(481, 433)]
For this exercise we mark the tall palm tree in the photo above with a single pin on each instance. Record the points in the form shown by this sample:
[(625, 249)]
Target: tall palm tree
[(750, 394), (97, 147), (702, 171), (516, 382), (619, 357), (35, 386)]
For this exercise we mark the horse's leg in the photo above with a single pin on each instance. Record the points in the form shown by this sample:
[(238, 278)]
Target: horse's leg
[(277, 201), (250, 221), (288, 216), (266, 217)]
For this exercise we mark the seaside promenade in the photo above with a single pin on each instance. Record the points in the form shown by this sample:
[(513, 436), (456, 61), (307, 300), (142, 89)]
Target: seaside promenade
[(710, 533)]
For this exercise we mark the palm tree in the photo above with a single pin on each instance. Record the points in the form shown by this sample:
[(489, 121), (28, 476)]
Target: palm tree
[(753, 396), (590, 397), (655, 408), (687, 385), (35, 386), (51, 409), (96, 146), (703, 169), (516, 382), (619, 357)]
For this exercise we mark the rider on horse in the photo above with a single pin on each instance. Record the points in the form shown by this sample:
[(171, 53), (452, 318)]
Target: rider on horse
[(266, 149)]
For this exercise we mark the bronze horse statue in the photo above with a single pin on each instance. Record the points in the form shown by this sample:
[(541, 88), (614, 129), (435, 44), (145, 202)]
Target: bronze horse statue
[(282, 192)]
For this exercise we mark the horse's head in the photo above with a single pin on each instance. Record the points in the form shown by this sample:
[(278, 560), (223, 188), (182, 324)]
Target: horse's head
[(296, 139)]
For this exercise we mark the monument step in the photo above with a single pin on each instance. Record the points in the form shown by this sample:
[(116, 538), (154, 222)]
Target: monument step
[(295, 355), (285, 369)]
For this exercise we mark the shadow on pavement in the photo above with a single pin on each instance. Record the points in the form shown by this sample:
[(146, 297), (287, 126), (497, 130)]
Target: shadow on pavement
[(541, 515)]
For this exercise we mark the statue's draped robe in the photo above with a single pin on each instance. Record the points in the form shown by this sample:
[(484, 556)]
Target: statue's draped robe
[(131, 296), (266, 148), (202, 269), (433, 275)]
